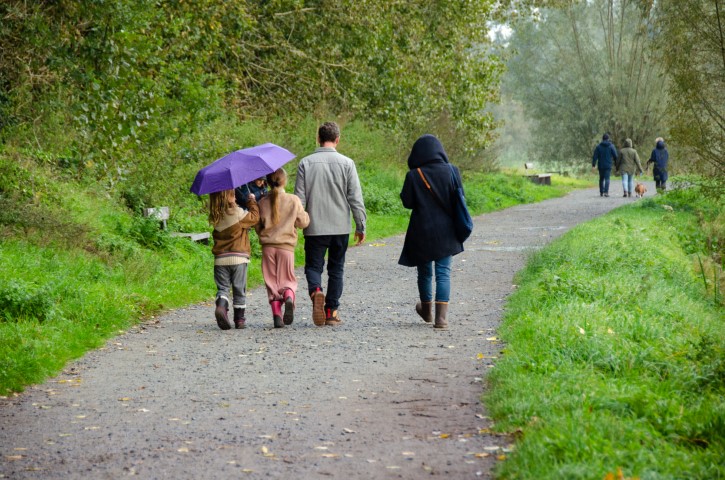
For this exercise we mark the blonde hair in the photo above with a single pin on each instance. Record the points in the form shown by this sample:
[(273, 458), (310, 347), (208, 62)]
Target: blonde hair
[(659, 139), (277, 181), (218, 205)]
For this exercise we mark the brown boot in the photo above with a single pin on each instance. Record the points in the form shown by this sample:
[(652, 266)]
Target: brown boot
[(331, 318), (318, 307), (425, 311), (441, 312)]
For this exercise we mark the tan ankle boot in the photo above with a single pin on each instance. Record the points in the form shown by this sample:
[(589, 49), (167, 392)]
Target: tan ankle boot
[(441, 312), (425, 310)]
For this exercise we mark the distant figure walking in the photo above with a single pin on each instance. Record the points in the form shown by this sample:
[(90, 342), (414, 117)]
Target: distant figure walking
[(604, 156), (231, 253), (659, 158), (430, 241), (329, 188), (280, 215), (628, 165)]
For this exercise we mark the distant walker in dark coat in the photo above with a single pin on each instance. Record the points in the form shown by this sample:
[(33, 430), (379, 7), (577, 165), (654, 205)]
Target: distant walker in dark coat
[(603, 158), (660, 157), (430, 242)]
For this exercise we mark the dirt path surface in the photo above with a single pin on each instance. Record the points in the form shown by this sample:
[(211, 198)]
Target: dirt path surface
[(382, 396)]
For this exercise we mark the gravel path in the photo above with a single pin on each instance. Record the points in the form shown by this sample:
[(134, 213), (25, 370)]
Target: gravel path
[(382, 396)]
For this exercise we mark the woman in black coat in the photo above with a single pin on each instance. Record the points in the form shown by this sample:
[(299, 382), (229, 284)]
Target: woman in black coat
[(430, 241)]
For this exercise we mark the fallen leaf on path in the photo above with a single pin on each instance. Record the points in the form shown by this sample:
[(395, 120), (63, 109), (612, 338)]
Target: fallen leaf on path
[(330, 455), (347, 430), (492, 448), (481, 455), (13, 457), (480, 356), (124, 399), (444, 435), (183, 450), (492, 339)]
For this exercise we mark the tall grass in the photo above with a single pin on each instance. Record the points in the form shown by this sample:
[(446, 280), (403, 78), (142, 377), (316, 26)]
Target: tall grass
[(614, 354)]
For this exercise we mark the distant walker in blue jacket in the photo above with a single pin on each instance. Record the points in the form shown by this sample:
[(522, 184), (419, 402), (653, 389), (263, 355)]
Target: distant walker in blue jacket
[(604, 156)]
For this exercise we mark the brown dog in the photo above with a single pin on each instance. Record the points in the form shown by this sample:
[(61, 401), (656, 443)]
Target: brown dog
[(639, 190)]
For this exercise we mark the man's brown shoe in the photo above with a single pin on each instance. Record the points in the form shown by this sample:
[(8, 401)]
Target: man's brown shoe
[(318, 307), (331, 318)]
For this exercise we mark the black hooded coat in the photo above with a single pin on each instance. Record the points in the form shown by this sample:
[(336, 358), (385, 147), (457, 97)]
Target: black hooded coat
[(430, 234)]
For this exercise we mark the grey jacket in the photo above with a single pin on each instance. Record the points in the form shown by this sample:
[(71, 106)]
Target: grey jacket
[(328, 185)]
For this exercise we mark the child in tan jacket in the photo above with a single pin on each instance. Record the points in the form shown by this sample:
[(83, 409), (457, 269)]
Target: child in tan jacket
[(231, 253), (281, 214)]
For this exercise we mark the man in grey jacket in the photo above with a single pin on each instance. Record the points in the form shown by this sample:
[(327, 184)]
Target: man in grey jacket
[(328, 185)]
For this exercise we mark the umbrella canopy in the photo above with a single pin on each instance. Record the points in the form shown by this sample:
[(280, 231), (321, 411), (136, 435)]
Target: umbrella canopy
[(240, 167)]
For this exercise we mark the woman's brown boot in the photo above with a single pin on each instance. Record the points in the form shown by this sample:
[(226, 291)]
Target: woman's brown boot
[(424, 309), (441, 312)]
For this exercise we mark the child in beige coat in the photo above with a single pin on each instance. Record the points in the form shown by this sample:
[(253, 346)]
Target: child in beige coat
[(281, 214)]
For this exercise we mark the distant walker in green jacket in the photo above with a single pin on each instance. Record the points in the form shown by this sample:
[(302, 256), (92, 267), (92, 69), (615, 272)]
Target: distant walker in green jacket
[(628, 166)]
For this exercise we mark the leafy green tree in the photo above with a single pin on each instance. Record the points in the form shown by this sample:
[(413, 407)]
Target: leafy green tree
[(584, 69), (691, 41), (118, 77)]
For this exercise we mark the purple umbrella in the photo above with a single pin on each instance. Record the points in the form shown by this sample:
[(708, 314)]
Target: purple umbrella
[(240, 167)]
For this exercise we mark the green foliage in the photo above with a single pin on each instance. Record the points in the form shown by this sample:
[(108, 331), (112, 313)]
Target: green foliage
[(614, 357), (109, 82), (26, 301), (691, 43), (585, 69)]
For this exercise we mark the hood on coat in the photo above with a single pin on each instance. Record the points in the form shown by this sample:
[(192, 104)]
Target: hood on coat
[(427, 149), (660, 145), (627, 143)]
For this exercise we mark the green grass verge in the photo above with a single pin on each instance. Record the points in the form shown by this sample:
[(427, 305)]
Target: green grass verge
[(615, 353)]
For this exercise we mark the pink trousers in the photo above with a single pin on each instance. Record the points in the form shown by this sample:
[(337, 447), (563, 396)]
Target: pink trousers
[(278, 268)]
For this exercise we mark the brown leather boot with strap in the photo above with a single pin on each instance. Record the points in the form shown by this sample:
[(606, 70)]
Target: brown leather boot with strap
[(441, 313)]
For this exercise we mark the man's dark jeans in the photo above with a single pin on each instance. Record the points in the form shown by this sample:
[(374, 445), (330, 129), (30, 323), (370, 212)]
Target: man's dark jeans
[(315, 248), (604, 174)]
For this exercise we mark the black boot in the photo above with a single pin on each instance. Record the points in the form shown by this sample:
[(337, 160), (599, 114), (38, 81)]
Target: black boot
[(239, 319), (441, 313), (424, 309), (222, 314)]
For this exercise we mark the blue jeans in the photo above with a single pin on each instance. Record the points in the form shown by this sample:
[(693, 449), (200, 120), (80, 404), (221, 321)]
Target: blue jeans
[(315, 248), (604, 174), (443, 280), (627, 183)]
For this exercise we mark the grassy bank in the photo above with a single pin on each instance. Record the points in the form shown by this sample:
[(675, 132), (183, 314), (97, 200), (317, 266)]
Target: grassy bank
[(615, 349)]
